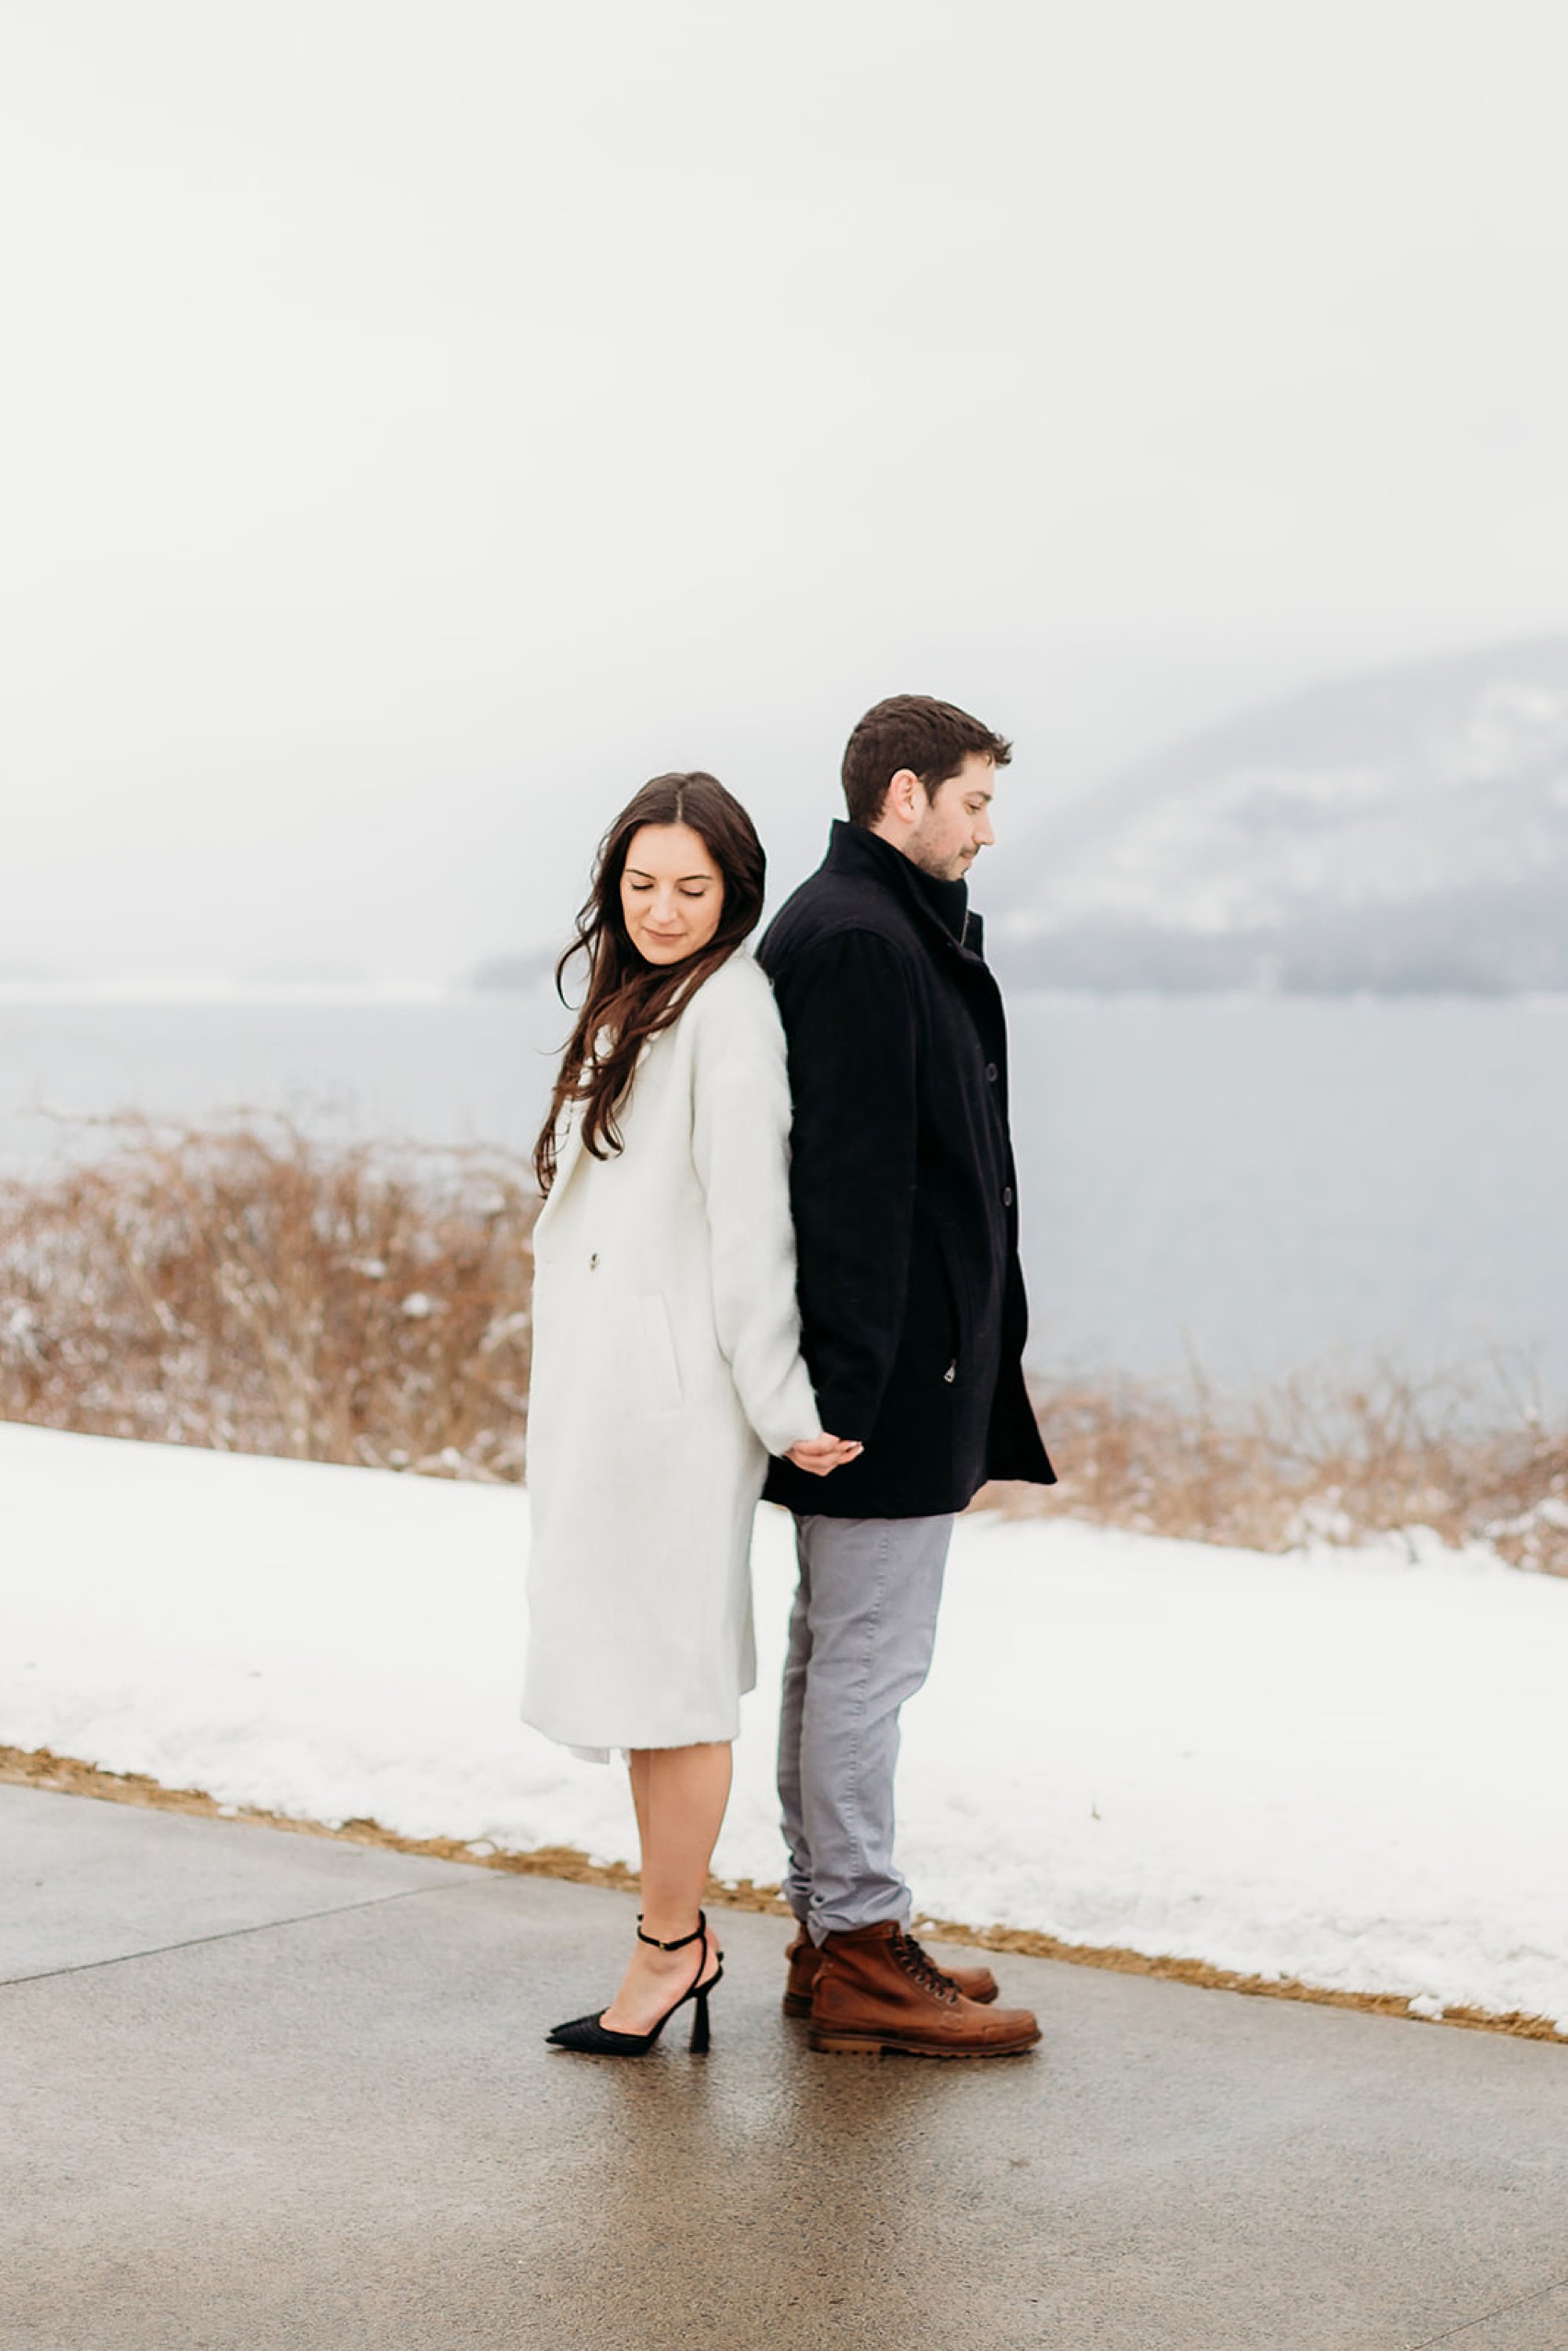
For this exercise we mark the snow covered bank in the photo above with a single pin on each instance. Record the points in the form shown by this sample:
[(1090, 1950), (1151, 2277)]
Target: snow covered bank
[(1342, 1766)]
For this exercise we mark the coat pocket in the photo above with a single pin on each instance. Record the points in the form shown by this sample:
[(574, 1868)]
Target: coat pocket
[(659, 1362), (956, 1345)]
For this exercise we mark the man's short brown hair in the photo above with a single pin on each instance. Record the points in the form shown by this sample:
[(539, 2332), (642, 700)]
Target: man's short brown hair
[(910, 730)]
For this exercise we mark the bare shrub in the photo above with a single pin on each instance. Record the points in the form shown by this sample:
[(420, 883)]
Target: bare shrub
[(1322, 1458), (248, 1290)]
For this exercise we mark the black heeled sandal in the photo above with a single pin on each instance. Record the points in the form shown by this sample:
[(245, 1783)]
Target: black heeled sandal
[(588, 2035)]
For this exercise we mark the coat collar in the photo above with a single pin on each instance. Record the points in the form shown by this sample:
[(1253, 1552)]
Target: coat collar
[(941, 907), (569, 1153)]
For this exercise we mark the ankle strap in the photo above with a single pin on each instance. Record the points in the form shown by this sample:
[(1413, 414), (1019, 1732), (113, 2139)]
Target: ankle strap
[(681, 1940)]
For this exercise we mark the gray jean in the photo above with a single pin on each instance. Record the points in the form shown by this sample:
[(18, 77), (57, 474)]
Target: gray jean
[(860, 1637)]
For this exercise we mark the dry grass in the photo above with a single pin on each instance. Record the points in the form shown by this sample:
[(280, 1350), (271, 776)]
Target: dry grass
[(247, 1288), (1319, 1458)]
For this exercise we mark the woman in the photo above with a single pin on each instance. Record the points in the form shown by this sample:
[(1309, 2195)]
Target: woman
[(666, 1362)]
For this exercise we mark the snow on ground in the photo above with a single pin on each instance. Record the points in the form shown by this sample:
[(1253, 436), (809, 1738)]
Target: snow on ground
[(1342, 1766)]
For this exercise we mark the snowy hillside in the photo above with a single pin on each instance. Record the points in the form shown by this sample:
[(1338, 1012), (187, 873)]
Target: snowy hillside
[(1407, 830)]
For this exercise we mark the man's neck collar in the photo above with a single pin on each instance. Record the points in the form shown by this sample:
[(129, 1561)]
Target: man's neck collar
[(947, 902)]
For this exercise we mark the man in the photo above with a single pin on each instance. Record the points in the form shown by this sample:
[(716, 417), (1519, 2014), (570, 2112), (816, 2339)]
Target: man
[(913, 1310)]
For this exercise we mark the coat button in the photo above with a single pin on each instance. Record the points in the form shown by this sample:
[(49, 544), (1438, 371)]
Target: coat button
[(593, 1262), (991, 1071), (1007, 1197)]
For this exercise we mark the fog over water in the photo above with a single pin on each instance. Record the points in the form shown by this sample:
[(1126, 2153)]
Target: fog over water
[(422, 424), (1253, 1184)]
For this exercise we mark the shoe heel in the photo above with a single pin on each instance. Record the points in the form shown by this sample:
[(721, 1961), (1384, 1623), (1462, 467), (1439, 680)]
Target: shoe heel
[(843, 2044), (699, 2025)]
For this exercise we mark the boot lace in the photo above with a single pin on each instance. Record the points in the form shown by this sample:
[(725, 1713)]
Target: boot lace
[(924, 1969)]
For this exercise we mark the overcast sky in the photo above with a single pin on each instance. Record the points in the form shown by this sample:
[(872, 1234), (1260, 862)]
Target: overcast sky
[(420, 423)]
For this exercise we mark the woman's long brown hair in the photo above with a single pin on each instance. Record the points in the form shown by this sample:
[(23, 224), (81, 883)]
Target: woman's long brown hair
[(629, 999)]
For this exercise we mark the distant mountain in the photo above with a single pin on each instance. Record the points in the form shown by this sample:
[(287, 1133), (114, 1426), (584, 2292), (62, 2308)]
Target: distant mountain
[(1401, 832)]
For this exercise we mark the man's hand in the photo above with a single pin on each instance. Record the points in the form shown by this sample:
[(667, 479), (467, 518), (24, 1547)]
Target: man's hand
[(822, 1455)]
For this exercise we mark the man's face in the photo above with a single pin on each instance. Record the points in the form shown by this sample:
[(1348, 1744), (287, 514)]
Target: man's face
[(955, 824)]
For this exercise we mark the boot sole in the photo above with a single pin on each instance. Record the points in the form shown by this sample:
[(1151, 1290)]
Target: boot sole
[(799, 2004), (876, 2045)]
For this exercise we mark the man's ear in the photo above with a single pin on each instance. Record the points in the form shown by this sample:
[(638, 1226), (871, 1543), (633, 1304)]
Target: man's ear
[(905, 796)]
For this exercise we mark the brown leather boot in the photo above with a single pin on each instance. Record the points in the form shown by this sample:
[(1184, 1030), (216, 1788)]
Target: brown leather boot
[(805, 1960), (876, 1989)]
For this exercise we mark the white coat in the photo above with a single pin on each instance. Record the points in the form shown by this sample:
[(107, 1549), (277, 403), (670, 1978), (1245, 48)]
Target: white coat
[(666, 1368)]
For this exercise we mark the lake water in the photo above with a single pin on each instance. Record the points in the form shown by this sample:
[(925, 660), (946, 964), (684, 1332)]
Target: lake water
[(1255, 1183)]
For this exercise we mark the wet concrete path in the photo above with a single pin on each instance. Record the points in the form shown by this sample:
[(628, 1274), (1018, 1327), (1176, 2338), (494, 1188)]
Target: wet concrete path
[(264, 2091)]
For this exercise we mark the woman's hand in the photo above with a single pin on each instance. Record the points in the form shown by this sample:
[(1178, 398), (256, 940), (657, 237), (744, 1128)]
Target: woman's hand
[(822, 1455)]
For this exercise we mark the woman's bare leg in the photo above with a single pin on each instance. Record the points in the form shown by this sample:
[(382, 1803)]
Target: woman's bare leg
[(637, 1772), (680, 1793)]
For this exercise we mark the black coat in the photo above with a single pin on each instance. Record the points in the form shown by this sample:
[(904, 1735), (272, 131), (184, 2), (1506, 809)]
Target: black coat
[(902, 1182)]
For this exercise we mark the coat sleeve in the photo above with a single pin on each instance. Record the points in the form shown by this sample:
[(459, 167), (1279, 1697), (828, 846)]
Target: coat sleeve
[(740, 1148), (849, 1018)]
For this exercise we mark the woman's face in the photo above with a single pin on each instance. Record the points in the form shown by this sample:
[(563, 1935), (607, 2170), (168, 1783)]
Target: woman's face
[(672, 893)]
